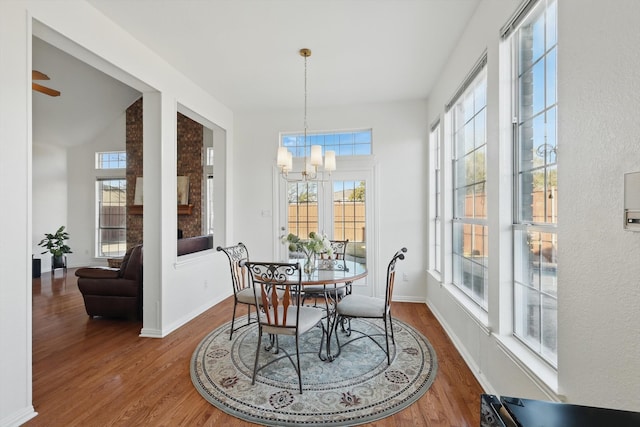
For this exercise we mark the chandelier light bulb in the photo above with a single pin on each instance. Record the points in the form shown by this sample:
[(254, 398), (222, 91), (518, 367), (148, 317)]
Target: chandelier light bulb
[(282, 156), (316, 155), (330, 160)]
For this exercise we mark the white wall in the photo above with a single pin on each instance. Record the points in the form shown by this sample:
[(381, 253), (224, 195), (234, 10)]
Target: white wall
[(599, 274), (399, 144), (64, 192), (175, 291), (49, 198), (15, 188), (598, 286), (82, 176)]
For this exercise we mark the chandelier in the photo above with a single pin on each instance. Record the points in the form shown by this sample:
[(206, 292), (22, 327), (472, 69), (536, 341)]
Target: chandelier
[(313, 157)]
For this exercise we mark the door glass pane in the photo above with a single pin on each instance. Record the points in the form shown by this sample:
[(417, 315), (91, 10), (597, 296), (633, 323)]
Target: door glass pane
[(303, 208), (349, 217)]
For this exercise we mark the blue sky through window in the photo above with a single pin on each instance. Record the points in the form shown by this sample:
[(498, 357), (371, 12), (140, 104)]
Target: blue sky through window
[(355, 143), (112, 160)]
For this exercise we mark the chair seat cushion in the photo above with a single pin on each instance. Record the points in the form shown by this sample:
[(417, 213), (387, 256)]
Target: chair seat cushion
[(361, 306), (309, 317), (245, 296)]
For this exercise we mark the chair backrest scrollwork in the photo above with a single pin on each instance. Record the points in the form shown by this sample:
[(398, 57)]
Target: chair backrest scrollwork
[(339, 248), (391, 274), (237, 254), (279, 286)]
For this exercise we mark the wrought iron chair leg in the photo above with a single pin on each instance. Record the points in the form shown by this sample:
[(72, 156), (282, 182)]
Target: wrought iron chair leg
[(393, 340), (233, 319), (386, 337), (255, 364), (298, 365), (322, 340)]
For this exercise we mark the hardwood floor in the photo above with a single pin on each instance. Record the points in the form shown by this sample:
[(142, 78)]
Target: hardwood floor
[(99, 372)]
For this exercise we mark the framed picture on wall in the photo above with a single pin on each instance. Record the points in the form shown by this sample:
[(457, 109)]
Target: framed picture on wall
[(137, 198), (183, 190)]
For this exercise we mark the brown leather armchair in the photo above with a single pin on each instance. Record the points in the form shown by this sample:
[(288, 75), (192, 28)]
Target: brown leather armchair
[(114, 292)]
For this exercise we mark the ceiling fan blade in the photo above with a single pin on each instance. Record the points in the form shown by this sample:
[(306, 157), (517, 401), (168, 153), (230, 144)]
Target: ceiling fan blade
[(37, 75), (45, 90)]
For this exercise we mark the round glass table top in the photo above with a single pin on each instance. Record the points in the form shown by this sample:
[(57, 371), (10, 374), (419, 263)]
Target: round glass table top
[(330, 271)]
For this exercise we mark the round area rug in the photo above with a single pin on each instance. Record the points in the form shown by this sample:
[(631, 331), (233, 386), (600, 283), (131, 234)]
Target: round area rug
[(356, 388)]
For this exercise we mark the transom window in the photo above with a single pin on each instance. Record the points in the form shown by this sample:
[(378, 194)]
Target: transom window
[(111, 160), (354, 143)]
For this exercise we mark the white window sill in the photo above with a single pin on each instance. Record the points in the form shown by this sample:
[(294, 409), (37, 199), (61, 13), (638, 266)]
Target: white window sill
[(435, 275)]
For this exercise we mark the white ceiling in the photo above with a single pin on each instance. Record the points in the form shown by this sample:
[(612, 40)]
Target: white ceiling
[(89, 100), (245, 52)]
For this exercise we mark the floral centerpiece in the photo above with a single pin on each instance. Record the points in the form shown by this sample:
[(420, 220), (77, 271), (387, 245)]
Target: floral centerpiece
[(314, 245)]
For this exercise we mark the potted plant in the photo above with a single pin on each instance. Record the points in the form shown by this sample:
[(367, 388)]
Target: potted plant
[(57, 247)]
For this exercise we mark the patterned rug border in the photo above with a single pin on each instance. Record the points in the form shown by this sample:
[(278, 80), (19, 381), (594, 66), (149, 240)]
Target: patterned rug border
[(377, 413)]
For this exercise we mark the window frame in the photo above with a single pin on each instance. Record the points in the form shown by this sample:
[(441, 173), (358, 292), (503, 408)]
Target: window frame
[(122, 244), (103, 162), (435, 202), (477, 77), (329, 140), (528, 227)]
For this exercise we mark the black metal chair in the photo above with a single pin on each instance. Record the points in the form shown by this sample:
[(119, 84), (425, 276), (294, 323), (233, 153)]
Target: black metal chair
[(242, 290), (338, 248), (281, 311), (360, 306)]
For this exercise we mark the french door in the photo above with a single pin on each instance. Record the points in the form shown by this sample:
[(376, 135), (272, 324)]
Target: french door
[(342, 208)]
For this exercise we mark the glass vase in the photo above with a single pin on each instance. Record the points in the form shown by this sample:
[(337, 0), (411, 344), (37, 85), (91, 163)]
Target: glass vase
[(309, 263)]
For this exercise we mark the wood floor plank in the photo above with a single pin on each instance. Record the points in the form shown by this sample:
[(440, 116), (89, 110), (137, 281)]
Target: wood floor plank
[(99, 372)]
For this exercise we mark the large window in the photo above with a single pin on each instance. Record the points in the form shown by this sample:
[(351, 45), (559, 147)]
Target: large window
[(435, 176), (111, 238), (470, 232), (535, 239), (111, 204), (208, 199)]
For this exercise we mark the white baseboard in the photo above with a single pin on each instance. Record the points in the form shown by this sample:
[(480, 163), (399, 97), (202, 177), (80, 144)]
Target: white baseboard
[(18, 418), (161, 333), (475, 369)]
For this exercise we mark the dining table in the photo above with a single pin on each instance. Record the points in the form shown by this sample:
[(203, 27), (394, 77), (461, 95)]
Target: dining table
[(335, 278)]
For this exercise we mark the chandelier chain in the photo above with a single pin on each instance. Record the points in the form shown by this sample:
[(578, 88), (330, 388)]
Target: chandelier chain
[(305, 107), (313, 157)]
